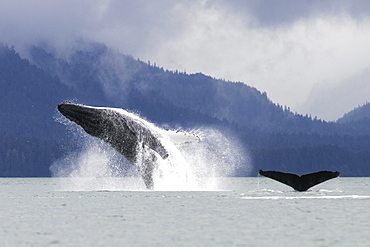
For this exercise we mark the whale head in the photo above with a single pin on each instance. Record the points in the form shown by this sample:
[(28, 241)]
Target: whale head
[(89, 118)]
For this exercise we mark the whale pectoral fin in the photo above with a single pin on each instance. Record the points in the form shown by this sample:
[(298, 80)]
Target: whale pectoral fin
[(315, 178), (152, 142), (148, 177), (146, 167), (179, 137)]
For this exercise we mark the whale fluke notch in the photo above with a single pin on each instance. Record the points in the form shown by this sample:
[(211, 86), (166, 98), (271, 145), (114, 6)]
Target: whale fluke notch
[(300, 183)]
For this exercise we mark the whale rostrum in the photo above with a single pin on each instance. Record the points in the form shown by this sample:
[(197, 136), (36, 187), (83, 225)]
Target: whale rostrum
[(136, 139), (300, 183)]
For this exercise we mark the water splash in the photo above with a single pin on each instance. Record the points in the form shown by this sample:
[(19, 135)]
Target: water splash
[(218, 155), (190, 166)]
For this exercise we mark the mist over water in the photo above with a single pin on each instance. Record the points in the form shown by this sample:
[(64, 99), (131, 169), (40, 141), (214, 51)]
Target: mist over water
[(217, 155), (190, 166)]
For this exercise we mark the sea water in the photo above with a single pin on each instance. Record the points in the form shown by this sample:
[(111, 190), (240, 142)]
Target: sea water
[(253, 211)]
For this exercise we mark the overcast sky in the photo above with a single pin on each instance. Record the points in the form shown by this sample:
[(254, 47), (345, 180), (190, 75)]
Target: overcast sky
[(313, 56)]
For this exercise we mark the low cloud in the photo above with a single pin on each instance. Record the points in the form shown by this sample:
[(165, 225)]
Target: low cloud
[(285, 61), (330, 101), (287, 50)]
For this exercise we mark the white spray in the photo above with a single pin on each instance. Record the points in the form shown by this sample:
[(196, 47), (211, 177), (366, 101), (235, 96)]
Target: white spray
[(193, 164)]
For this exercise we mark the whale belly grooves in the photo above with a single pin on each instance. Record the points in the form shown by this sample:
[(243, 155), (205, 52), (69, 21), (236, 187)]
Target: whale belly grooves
[(127, 133), (300, 183)]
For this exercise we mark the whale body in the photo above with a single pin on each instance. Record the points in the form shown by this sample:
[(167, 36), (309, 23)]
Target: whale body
[(300, 183), (136, 139)]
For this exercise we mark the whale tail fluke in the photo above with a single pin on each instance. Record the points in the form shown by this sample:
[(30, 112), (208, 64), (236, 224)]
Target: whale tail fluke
[(300, 183)]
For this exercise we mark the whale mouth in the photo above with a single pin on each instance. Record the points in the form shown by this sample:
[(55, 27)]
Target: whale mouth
[(88, 118)]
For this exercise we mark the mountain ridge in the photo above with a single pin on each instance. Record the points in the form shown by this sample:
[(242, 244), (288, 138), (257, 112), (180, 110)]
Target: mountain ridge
[(359, 113), (99, 76)]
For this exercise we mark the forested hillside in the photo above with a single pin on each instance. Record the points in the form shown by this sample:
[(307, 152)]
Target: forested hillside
[(28, 97), (29, 136), (360, 113), (107, 77), (94, 74)]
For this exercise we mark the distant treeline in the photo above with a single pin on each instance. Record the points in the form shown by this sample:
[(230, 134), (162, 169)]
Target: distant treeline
[(27, 157)]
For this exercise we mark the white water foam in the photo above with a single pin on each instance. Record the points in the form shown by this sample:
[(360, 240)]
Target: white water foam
[(304, 197)]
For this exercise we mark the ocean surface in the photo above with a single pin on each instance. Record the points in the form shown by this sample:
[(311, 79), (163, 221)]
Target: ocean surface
[(253, 211)]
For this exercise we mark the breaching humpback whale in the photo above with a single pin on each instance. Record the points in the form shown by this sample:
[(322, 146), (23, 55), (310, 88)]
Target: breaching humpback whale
[(136, 139), (300, 183)]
